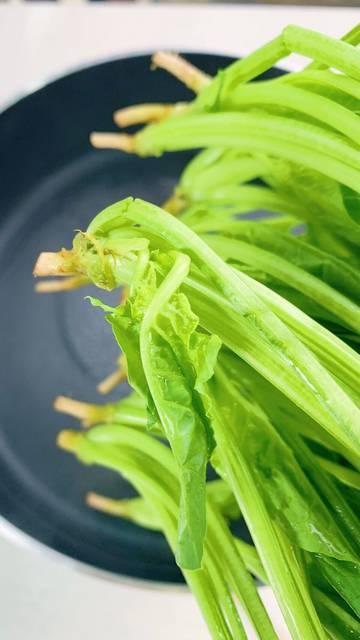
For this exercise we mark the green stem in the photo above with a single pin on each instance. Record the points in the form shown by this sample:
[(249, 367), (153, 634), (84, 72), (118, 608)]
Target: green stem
[(293, 39), (251, 559), (244, 199), (327, 79), (231, 171), (311, 104), (153, 476), (337, 356), (276, 553), (312, 146), (232, 250), (323, 49), (163, 294), (338, 622), (343, 514), (351, 37), (239, 578), (223, 593), (342, 474), (306, 381)]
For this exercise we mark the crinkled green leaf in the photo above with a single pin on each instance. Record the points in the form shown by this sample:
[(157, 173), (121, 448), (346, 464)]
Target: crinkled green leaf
[(182, 360)]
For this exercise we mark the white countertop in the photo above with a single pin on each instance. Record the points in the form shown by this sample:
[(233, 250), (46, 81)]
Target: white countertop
[(41, 41), (42, 596)]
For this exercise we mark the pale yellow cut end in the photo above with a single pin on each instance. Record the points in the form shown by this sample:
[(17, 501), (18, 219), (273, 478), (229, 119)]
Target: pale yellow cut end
[(183, 70), (68, 440), (142, 113), (66, 284), (106, 505), (113, 380), (124, 294), (71, 407), (119, 141), (174, 205), (49, 264)]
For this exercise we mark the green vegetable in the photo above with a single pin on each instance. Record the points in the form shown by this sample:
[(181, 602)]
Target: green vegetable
[(171, 363), (150, 467), (241, 339)]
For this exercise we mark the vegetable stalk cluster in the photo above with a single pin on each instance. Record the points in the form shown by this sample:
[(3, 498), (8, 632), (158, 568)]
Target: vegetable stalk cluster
[(240, 337)]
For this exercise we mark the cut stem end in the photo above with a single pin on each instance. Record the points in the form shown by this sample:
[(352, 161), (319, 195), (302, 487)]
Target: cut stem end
[(50, 264), (119, 141), (113, 380), (142, 113), (66, 284), (183, 70), (68, 440), (75, 408), (101, 503)]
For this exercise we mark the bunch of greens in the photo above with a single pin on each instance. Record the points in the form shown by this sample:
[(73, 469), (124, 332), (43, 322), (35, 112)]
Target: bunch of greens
[(241, 337)]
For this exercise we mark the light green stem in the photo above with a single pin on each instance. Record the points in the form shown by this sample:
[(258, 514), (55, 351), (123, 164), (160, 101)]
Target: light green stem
[(312, 146), (232, 250), (281, 96)]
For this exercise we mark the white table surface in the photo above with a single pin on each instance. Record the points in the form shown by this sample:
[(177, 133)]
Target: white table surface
[(41, 595)]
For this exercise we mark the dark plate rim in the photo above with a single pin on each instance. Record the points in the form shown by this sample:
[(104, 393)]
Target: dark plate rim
[(7, 528)]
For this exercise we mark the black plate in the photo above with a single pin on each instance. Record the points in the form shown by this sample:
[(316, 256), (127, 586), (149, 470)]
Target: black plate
[(52, 182)]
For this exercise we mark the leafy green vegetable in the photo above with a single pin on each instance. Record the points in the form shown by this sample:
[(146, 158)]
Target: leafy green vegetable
[(157, 331), (241, 338)]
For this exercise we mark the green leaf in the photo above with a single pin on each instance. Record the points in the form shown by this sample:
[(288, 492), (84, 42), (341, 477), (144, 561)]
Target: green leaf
[(344, 577), (351, 201), (95, 302), (340, 623), (178, 361), (169, 363), (292, 500)]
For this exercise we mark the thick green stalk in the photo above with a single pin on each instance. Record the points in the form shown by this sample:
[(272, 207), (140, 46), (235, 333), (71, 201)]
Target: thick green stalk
[(293, 39), (228, 171), (243, 199), (239, 578), (233, 250), (341, 473), (265, 341), (338, 357), (154, 479), (118, 413), (276, 553), (251, 559), (338, 622), (204, 217), (324, 49), (201, 163), (343, 514), (312, 146), (351, 37), (280, 96), (213, 561), (269, 236), (328, 79), (243, 343)]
